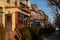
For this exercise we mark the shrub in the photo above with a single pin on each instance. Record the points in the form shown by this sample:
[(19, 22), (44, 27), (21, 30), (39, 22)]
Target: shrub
[(2, 32), (26, 34)]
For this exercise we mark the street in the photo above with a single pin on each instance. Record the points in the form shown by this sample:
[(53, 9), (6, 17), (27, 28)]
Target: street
[(53, 36)]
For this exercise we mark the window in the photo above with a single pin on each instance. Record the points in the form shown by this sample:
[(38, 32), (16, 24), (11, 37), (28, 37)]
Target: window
[(22, 18), (38, 24), (20, 21), (8, 1), (25, 19), (1, 14), (1, 9), (44, 19), (16, 2), (26, 0)]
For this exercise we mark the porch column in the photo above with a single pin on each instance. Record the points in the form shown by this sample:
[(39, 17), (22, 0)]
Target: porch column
[(13, 21)]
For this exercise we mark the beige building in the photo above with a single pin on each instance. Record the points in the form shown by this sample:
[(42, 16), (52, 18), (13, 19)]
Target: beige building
[(34, 7), (8, 8), (13, 16)]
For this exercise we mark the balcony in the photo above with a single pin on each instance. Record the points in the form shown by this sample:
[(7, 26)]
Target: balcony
[(24, 7)]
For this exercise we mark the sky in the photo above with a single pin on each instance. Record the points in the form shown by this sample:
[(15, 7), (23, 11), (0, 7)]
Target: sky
[(43, 5)]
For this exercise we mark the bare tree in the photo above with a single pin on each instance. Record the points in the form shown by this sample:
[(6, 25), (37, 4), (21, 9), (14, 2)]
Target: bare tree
[(55, 3), (55, 9)]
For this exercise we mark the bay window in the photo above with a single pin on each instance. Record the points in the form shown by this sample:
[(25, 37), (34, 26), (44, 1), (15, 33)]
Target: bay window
[(22, 18)]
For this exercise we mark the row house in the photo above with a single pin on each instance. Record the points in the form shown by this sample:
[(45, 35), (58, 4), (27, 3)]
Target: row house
[(43, 18), (14, 15), (38, 17), (8, 10), (23, 17), (17, 14), (35, 16)]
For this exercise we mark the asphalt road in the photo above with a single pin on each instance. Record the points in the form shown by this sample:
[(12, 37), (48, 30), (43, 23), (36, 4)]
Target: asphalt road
[(53, 36)]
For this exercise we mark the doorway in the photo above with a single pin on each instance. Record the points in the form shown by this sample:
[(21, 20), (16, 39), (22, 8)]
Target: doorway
[(8, 22)]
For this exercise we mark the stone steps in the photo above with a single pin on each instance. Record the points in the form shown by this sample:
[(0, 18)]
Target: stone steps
[(10, 36)]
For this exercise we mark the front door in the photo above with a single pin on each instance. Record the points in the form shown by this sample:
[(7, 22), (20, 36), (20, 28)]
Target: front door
[(8, 22)]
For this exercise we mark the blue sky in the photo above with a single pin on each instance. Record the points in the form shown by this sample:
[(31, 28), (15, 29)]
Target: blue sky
[(43, 5)]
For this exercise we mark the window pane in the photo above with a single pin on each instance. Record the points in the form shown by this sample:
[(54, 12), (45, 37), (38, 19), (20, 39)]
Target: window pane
[(20, 18)]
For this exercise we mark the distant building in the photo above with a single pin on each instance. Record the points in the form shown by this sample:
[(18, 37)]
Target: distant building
[(43, 18), (35, 15), (34, 7), (38, 17)]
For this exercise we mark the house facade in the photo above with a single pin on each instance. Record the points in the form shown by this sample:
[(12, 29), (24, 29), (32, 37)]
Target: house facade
[(17, 14), (13, 16)]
